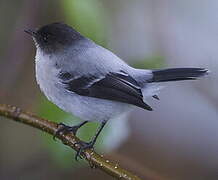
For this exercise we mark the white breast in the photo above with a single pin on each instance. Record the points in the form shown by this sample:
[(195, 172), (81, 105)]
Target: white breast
[(86, 108), (46, 74)]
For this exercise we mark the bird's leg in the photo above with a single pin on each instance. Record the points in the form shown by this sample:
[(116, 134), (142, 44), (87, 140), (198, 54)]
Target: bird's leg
[(64, 129), (90, 144)]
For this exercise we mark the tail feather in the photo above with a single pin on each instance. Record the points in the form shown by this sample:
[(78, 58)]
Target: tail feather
[(177, 74)]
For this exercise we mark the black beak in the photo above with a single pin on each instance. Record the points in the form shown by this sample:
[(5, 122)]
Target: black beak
[(30, 32)]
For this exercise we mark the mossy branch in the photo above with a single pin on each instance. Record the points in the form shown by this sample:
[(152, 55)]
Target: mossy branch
[(94, 159)]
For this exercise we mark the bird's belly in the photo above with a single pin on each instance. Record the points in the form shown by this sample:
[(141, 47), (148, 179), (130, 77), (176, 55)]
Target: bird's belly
[(91, 109), (86, 108)]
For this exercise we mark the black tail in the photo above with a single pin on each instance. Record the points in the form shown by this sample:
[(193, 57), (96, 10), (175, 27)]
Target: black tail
[(177, 74)]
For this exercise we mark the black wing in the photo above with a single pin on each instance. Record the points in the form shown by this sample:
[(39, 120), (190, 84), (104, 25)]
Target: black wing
[(114, 86)]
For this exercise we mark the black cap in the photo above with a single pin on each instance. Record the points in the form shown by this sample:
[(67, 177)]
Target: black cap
[(54, 37)]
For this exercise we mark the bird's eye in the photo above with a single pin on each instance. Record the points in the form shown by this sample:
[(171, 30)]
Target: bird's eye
[(45, 38)]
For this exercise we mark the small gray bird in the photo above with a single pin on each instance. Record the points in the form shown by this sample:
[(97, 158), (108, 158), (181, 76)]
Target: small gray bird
[(90, 81)]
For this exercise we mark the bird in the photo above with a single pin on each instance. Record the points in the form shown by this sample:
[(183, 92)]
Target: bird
[(92, 83)]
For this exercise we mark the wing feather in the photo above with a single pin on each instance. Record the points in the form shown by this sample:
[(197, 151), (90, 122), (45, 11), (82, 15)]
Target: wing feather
[(113, 86)]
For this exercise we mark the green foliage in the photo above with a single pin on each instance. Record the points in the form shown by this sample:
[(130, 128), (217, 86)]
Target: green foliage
[(88, 17), (153, 62)]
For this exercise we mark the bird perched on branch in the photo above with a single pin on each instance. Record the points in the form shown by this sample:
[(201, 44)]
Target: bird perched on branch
[(90, 81)]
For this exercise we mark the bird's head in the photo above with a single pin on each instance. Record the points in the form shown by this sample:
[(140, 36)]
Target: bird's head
[(54, 37)]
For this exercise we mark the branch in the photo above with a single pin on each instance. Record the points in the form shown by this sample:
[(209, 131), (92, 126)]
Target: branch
[(94, 159)]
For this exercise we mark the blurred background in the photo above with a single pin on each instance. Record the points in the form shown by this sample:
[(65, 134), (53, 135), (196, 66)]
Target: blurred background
[(177, 141)]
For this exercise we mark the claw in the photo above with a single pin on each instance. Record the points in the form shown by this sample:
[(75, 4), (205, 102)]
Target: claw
[(83, 147), (58, 132), (64, 129), (89, 145)]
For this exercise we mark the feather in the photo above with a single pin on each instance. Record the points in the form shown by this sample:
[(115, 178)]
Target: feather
[(119, 87)]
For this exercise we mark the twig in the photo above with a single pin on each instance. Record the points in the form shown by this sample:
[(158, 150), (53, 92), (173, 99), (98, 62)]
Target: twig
[(94, 159)]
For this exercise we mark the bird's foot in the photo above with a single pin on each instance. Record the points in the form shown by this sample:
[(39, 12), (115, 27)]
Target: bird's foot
[(83, 147), (64, 129)]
